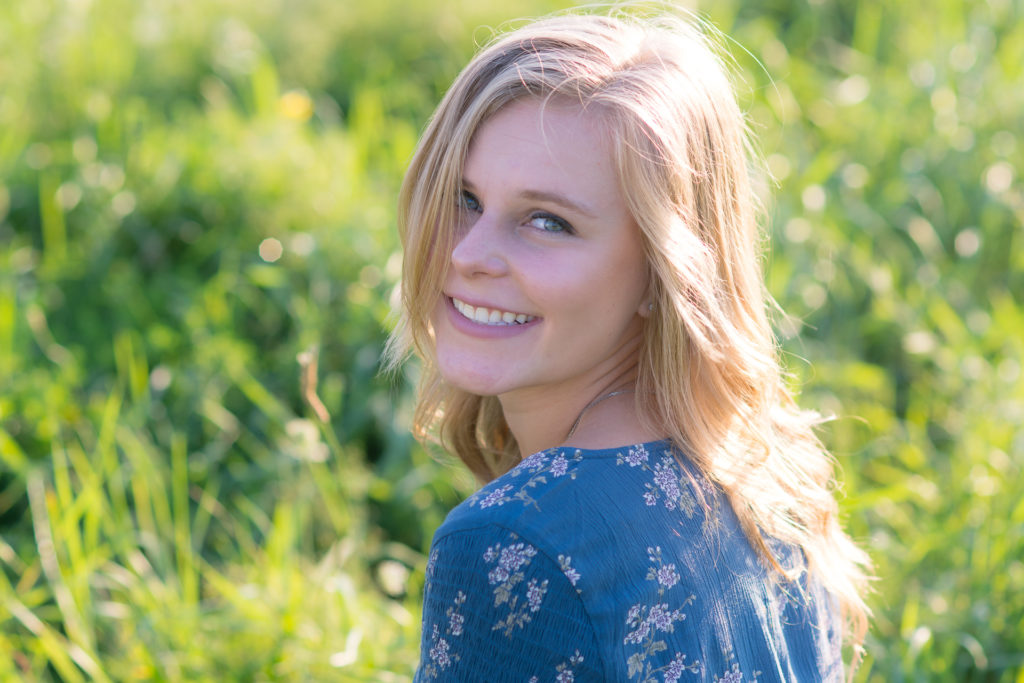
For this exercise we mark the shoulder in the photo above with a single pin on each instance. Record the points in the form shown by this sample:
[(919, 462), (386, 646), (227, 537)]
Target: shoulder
[(639, 557), (568, 501), (569, 485), (530, 488), (497, 608), (576, 532), (534, 510)]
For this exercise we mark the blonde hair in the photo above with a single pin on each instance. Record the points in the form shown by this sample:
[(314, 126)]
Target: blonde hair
[(709, 372)]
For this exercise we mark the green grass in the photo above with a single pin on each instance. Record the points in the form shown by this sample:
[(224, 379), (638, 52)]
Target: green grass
[(194, 196)]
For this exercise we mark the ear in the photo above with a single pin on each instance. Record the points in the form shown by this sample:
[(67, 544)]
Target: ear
[(646, 308)]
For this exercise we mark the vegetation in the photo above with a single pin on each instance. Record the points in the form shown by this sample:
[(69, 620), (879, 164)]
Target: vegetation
[(197, 237)]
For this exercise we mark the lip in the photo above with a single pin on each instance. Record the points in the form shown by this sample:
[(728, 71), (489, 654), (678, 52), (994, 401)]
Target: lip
[(480, 330)]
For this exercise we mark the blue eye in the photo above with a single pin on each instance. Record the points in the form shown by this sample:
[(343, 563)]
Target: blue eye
[(547, 222), (468, 201)]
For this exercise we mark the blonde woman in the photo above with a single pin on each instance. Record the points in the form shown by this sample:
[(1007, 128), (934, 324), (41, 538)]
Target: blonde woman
[(581, 281)]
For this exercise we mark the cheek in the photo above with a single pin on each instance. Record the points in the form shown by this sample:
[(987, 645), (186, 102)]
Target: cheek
[(436, 312), (605, 293), (626, 280), (635, 274)]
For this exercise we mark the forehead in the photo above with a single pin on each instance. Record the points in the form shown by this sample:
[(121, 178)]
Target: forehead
[(545, 145), (532, 116)]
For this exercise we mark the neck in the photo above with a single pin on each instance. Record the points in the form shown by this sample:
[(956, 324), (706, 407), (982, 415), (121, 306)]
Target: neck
[(544, 417)]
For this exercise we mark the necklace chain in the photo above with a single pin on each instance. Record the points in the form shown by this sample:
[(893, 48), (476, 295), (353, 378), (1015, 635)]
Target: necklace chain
[(619, 392)]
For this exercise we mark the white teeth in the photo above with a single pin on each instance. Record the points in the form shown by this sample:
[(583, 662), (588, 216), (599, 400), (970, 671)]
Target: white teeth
[(490, 316)]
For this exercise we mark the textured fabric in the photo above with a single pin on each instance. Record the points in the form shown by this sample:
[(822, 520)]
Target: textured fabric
[(615, 565)]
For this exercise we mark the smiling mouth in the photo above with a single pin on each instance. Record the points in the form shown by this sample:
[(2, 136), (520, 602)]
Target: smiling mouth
[(490, 316)]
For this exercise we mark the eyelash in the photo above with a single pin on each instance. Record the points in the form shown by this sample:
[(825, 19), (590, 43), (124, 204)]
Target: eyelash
[(470, 203), (563, 226)]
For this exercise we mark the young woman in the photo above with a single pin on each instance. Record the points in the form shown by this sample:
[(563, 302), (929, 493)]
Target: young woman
[(581, 281)]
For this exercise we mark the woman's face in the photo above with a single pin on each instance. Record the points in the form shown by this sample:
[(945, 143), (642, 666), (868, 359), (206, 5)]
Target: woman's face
[(547, 278)]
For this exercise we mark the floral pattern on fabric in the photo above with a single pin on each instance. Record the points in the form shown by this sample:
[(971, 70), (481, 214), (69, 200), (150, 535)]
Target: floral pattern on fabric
[(507, 577), (441, 653), (565, 564), (512, 579), (539, 467), (667, 485), (431, 564), (647, 622), (564, 672), (637, 455), (734, 675)]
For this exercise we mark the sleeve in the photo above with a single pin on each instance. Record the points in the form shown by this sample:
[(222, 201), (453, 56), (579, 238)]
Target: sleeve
[(497, 609)]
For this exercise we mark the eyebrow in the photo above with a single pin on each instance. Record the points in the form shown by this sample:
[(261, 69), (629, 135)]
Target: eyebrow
[(551, 197)]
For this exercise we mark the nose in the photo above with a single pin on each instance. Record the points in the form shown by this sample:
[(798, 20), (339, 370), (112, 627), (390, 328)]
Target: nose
[(479, 249)]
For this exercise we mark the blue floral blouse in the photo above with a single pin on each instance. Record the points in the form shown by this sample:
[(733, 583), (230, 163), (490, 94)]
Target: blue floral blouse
[(605, 565)]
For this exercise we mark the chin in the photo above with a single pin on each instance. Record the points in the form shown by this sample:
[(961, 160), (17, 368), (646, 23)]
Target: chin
[(477, 382)]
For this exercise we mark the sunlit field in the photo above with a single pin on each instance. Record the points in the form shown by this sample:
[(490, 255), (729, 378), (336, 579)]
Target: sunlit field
[(204, 476)]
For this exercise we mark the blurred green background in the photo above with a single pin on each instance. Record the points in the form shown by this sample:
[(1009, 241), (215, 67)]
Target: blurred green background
[(197, 210)]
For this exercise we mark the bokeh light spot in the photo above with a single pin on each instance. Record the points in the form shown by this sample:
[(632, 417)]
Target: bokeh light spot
[(271, 249), (853, 90), (123, 203), (813, 198), (999, 177), (967, 242), (160, 378), (798, 230), (855, 176), (920, 341), (302, 243), (779, 166), (296, 105)]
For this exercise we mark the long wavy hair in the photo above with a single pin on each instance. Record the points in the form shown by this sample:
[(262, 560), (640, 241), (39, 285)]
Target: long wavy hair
[(709, 372)]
